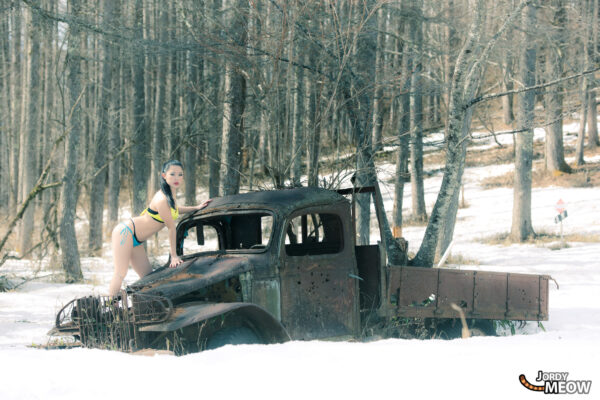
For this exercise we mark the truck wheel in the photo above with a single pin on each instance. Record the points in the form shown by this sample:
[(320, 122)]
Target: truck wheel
[(233, 335)]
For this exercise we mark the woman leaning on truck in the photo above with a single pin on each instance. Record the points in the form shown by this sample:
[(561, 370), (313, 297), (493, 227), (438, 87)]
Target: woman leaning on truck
[(162, 211)]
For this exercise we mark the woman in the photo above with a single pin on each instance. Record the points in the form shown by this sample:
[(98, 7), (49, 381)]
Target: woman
[(162, 211)]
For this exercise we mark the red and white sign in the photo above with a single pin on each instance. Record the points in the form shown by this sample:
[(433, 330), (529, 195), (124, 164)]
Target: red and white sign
[(560, 206)]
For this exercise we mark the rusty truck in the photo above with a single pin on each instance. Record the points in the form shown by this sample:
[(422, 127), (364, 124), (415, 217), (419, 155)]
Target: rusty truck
[(270, 266)]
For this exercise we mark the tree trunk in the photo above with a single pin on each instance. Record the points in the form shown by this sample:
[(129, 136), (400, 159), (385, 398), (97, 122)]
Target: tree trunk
[(310, 112), (160, 109), (67, 237), (298, 125), (30, 127), (102, 135), (579, 160), (15, 93), (114, 140), (141, 147), (522, 227), (555, 155), (362, 118), (50, 32), (402, 159), (592, 124), (465, 83), (193, 65), (507, 85), (593, 58), (5, 145), (215, 117), (235, 96), (416, 117), (378, 99)]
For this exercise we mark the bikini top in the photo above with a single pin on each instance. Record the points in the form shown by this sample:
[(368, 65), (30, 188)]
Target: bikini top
[(156, 216)]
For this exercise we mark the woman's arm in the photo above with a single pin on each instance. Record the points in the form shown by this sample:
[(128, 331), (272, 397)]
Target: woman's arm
[(187, 209)]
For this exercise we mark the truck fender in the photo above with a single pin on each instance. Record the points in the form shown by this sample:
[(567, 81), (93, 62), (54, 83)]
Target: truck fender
[(187, 314)]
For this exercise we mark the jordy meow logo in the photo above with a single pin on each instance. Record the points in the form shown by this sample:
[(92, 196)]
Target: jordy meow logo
[(556, 383)]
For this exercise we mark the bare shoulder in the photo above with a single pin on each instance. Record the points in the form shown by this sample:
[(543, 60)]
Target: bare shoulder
[(158, 199)]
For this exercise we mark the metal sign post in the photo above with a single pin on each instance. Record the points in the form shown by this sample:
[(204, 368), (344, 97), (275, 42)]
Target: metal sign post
[(561, 208)]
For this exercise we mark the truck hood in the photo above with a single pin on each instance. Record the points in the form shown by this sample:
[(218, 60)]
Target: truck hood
[(191, 275)]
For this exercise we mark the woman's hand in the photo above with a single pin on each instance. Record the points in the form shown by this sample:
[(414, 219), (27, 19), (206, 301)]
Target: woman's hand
[(175, 261), (201, 206)]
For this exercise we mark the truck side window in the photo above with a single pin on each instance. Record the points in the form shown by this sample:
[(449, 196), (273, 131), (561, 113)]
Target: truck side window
[(314, 234)]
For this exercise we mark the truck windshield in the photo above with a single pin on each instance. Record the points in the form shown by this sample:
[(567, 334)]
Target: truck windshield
[(234, 232)]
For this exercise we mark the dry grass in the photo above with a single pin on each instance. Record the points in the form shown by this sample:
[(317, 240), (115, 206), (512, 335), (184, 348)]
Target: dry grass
[(587, 175), (459, 259), (412, 221), (542, 239)]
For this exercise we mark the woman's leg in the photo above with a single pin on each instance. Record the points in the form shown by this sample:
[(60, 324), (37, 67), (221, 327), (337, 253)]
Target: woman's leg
[(140, 262), (122, 246)]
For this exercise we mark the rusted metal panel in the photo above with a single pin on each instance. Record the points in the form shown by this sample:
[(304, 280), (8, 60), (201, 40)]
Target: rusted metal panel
[(544, 282), (454, 287), (523, 297), (319, 295), (489, 295), (189, 314), (193, 275), (317, 298), (417, 295), (368, 263), (284, 201), (426, 292)]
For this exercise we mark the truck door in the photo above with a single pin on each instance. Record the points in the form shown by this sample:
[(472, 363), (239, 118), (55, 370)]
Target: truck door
[(318, 291)]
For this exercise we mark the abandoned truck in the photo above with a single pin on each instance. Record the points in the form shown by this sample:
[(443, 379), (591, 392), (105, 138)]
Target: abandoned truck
[(270, 266)]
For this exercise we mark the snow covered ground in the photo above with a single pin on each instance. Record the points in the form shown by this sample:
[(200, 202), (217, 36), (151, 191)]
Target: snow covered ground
[(475, 368)]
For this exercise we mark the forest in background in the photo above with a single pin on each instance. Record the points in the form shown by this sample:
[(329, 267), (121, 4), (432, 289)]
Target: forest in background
[(95, 96)]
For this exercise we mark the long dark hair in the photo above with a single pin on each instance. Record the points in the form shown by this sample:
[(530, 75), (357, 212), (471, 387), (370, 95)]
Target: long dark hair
[(164, 186)]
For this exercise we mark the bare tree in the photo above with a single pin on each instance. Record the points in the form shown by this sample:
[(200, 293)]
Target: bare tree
[(234, 102), (555, 155), (378, 97), (67, 236), (215, 118), (521, 218), (311, 128), (15, 77), (140, 140), (403, 125), (465, 84), (101, 138), (114, 140), (30, 124), (592, 59), (416, 115)]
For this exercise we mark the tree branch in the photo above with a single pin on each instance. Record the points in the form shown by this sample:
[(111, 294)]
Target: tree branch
[(535, 87)]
